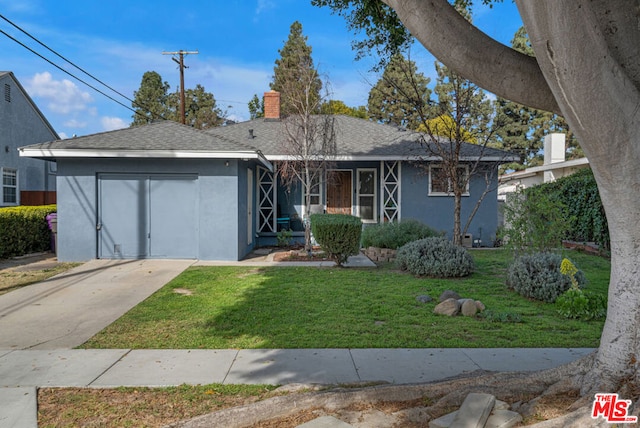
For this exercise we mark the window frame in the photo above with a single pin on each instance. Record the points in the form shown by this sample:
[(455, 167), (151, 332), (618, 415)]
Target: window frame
[(374, 194), (449, 191), (15, 186), (320, 177)]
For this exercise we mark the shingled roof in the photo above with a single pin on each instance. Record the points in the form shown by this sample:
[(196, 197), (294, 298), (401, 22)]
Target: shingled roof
[(159, 139), (357, 139)]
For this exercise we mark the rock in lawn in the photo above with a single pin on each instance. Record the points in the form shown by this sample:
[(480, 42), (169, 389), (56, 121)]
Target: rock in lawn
[(424, 298), (481, 307), (469, 308), (449, 294), (449, 307)]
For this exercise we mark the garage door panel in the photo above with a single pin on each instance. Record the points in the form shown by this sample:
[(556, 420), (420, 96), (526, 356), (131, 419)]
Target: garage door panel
[(174, 213), (123, 217), (148, 216)]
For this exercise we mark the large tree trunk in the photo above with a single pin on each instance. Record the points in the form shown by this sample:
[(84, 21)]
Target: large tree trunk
[(588, 53), (586, 50)]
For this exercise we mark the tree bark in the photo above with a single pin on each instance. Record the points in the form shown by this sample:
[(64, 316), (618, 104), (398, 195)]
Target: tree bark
[(598, 94), (588, 52), (474, 55)]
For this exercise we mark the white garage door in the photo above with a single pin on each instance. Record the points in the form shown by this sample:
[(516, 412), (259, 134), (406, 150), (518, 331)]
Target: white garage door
[(148, 216)]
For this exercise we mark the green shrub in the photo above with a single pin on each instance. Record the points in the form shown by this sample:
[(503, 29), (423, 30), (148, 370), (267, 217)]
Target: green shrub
[(395, 235), (579, 304), (538, 276), (434, 257), (24, 230), (337, 234), (534, 222), (578, 192)]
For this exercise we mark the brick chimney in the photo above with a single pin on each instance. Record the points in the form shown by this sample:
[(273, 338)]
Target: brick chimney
[(272, 105)]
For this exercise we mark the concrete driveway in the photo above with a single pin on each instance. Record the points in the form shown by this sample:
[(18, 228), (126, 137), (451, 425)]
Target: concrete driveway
[(68, 309)]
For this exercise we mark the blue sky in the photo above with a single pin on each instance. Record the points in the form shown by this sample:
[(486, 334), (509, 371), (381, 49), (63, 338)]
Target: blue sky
[(238, 43)]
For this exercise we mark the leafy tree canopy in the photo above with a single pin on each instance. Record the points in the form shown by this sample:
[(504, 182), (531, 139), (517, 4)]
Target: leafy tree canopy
[(339, 107)]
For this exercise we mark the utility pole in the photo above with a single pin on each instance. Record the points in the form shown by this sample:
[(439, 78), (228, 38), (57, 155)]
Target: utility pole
[(180, 62)]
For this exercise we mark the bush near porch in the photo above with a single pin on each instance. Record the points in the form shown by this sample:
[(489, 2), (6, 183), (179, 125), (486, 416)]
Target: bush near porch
[(24, 230)]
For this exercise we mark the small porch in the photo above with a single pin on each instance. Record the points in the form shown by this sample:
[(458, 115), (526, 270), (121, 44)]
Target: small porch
[(369, 190)]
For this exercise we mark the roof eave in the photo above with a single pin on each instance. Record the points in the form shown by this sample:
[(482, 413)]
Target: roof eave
[(127, 153)]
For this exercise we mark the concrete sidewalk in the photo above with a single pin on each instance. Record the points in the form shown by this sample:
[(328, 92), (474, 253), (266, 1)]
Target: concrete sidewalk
[(121, 367), (22, 371)]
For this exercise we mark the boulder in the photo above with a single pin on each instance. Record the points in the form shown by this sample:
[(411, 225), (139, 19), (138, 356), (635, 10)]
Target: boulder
[(481, 307), (449, 294), (449, 307), (424, 298), (469, 308)]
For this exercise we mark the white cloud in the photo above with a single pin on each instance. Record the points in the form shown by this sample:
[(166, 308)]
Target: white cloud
[(63, 95), (264, 5), (113, 123), (75, 123)]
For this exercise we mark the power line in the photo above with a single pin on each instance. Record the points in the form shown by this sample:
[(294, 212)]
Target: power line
[(65, 71), (65, 59), (134, 103)]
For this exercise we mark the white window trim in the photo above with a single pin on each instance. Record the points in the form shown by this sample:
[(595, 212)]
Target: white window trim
[(17, 187), (374, 194), (449, 193), (320, 195)]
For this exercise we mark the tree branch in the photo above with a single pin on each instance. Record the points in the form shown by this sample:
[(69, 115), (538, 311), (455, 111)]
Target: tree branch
[(473, 54)]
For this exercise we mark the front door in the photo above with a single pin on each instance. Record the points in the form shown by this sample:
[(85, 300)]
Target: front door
[(339, 193)]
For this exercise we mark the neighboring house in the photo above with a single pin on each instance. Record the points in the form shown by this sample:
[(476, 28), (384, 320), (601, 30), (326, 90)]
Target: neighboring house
[(555, 166), (24, 181), (166, 190)]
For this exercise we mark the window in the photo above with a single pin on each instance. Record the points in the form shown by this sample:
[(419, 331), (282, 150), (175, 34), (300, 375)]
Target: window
[(7, 92), (440, 184), (9, 186), (315, 193), (367, 195), (314, 190)]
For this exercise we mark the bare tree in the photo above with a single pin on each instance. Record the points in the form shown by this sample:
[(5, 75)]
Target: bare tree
[(457, 130), (309, 142)]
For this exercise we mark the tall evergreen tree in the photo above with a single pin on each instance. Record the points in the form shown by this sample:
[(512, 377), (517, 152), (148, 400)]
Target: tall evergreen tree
[(201, 111), (399, 94), (291, 71), (256, 107), (150, 100)]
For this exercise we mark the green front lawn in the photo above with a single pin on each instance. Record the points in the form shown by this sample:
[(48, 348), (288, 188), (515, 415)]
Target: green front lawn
[(307, 307)]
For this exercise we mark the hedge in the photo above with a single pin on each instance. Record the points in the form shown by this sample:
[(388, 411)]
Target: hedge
[(24, 230), (394, 235), (337, 234), (579, 193)]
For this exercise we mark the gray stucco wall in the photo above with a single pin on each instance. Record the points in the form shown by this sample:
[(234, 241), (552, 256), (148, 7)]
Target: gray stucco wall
[(21, 125), (437, 211), (78, 203)]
